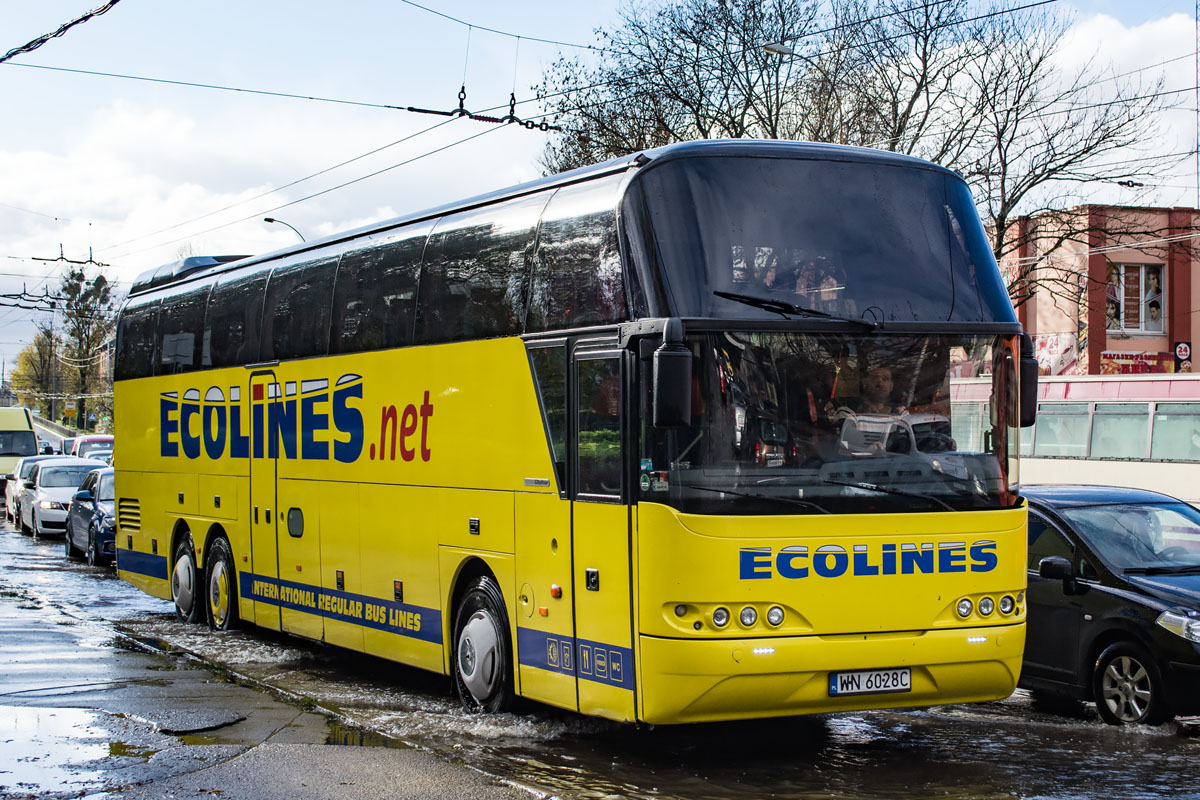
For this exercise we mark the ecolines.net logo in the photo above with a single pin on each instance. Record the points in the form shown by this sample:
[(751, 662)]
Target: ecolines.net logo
[(307, 420)]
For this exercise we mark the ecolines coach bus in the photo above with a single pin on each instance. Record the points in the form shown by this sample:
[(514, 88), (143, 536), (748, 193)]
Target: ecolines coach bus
[(665, 439)]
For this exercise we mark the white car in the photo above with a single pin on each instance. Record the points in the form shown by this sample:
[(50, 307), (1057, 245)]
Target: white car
[(46, 494), (13, 482)]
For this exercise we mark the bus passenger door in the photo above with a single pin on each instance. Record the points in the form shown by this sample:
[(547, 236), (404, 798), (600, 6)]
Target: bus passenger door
[(601, 540), (264, 556)]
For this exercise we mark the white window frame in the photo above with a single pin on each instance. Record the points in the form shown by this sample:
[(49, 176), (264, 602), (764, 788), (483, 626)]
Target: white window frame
[(1143, 311)]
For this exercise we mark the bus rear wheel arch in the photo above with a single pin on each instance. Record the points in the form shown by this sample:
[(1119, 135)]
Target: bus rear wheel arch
[(482, 657)]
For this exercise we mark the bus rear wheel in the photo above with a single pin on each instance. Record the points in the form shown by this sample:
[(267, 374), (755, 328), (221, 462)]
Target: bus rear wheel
[(222, 587), (482, 651), (188, 603)]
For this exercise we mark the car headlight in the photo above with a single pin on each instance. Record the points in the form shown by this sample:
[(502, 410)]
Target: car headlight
[(1181, 622), (51, 504)]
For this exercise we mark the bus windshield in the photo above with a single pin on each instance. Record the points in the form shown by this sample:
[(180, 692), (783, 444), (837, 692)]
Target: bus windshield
[(853, 238), (799, 423)]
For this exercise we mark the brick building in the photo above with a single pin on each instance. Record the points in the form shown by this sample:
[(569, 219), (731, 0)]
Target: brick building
[(1127, 301)]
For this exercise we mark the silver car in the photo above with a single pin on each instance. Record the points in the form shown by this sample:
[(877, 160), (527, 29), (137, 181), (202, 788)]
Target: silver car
[(13, 483), (46, 494)]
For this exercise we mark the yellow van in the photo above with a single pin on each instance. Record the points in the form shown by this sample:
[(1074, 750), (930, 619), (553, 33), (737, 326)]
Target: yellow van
[(17, 440)]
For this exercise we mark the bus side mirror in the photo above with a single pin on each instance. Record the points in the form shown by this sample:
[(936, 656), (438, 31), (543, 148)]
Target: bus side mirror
[(1029, 381), (672, 378)]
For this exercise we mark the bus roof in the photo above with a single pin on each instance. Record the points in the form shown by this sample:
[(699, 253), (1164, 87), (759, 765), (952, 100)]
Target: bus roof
[(178, 272)]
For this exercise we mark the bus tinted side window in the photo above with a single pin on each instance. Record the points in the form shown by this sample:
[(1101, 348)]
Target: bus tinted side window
[(296, 315), (181, 330), (576, 275), (473, 274), (136, 340), (232, 325), (374, 300)]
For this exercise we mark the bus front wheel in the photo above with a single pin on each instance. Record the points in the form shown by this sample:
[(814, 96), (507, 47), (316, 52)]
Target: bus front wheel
[(183, 582), (482, 660), (222, 587)]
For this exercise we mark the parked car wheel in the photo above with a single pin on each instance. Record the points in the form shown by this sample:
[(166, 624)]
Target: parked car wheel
[(33, 529), (188, 604), (94, 557), (482, 664), (1128, 688), (21, 522), (222, 587)]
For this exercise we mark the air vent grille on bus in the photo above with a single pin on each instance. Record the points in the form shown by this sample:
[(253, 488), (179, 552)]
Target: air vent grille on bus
[(129, 514)]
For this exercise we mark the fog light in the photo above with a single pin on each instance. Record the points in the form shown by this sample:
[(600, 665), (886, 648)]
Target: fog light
[(1007, 605), (986, 606), (721, 617), (775, 615), (680, 610), (748, 616), (964, 608)]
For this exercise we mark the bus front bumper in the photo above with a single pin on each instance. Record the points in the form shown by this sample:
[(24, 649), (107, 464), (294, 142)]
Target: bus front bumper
[(704, 681)]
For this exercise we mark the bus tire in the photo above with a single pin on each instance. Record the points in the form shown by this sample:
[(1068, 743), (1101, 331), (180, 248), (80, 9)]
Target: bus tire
[(184, 584), (482, 652), (221, 582), (1128, 687)]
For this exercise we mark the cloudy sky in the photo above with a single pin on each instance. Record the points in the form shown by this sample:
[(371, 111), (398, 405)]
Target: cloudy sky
[(135, 173)]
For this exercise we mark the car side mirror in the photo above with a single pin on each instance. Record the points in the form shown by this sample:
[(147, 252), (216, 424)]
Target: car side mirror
[(1056, 568), (83, 495), (28, 484)]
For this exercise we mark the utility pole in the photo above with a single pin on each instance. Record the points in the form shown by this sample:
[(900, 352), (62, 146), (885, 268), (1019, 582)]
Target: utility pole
[(53, 370)]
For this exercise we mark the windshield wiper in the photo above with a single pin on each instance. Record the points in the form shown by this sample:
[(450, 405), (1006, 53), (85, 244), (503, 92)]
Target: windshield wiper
[(791, 500), (783, 308), (1183, 569), (874, 487)]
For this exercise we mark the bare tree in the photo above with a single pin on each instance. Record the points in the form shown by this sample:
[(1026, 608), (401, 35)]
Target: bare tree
[(979, 90), (38, 370), (88, 322)]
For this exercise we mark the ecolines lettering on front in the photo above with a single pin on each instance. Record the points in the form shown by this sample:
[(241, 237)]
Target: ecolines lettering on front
[(310, 424), (861, 560)]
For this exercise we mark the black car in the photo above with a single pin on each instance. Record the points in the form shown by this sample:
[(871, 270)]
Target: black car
[(91, 526), (1114, 601)]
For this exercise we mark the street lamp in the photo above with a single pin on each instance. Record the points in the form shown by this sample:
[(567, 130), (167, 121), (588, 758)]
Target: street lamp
[(281, 222), (779, 49)]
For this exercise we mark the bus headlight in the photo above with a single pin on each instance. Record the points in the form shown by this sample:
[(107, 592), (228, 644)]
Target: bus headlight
[(986, 606), (775, 616), (1007, 604), (748, 616), (721, 617), (964, 608), (1181, 622)]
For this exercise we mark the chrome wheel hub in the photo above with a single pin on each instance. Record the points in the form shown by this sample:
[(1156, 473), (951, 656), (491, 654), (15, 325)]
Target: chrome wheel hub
[(479, 656), (218, 593), (183, 584)]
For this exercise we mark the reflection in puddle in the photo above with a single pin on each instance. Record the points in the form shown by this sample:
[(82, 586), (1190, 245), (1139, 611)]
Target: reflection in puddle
[(40, 747)]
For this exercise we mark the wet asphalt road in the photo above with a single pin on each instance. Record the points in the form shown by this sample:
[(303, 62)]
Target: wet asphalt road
[(88, 710), (99, 688)]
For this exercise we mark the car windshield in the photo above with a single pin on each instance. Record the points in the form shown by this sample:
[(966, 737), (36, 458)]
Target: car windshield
[(26, 468), (63, 477), (107, 490), (1136, 535), (786, 423), (90, 447), (18, 443)]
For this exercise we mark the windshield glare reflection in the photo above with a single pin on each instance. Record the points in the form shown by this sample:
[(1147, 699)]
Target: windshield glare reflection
[(1136, 535), (788, 423)]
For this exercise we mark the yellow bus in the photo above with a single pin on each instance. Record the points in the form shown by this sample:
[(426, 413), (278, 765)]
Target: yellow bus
[(668, 439)]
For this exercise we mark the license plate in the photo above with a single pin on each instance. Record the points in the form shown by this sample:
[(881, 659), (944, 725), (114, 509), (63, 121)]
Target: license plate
[(870, 681)]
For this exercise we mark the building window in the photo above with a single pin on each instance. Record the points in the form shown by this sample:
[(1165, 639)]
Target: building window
[(1135, 301)]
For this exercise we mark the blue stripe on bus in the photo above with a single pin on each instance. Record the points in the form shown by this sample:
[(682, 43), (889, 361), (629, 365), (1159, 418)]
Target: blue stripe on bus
[(142, 563), (583, 658), (357, 609)]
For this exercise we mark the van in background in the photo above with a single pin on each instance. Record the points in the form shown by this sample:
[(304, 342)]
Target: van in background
[(17, 440)]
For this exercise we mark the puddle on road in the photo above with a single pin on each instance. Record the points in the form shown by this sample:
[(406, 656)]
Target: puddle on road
[(345, 735), (42, 749)]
